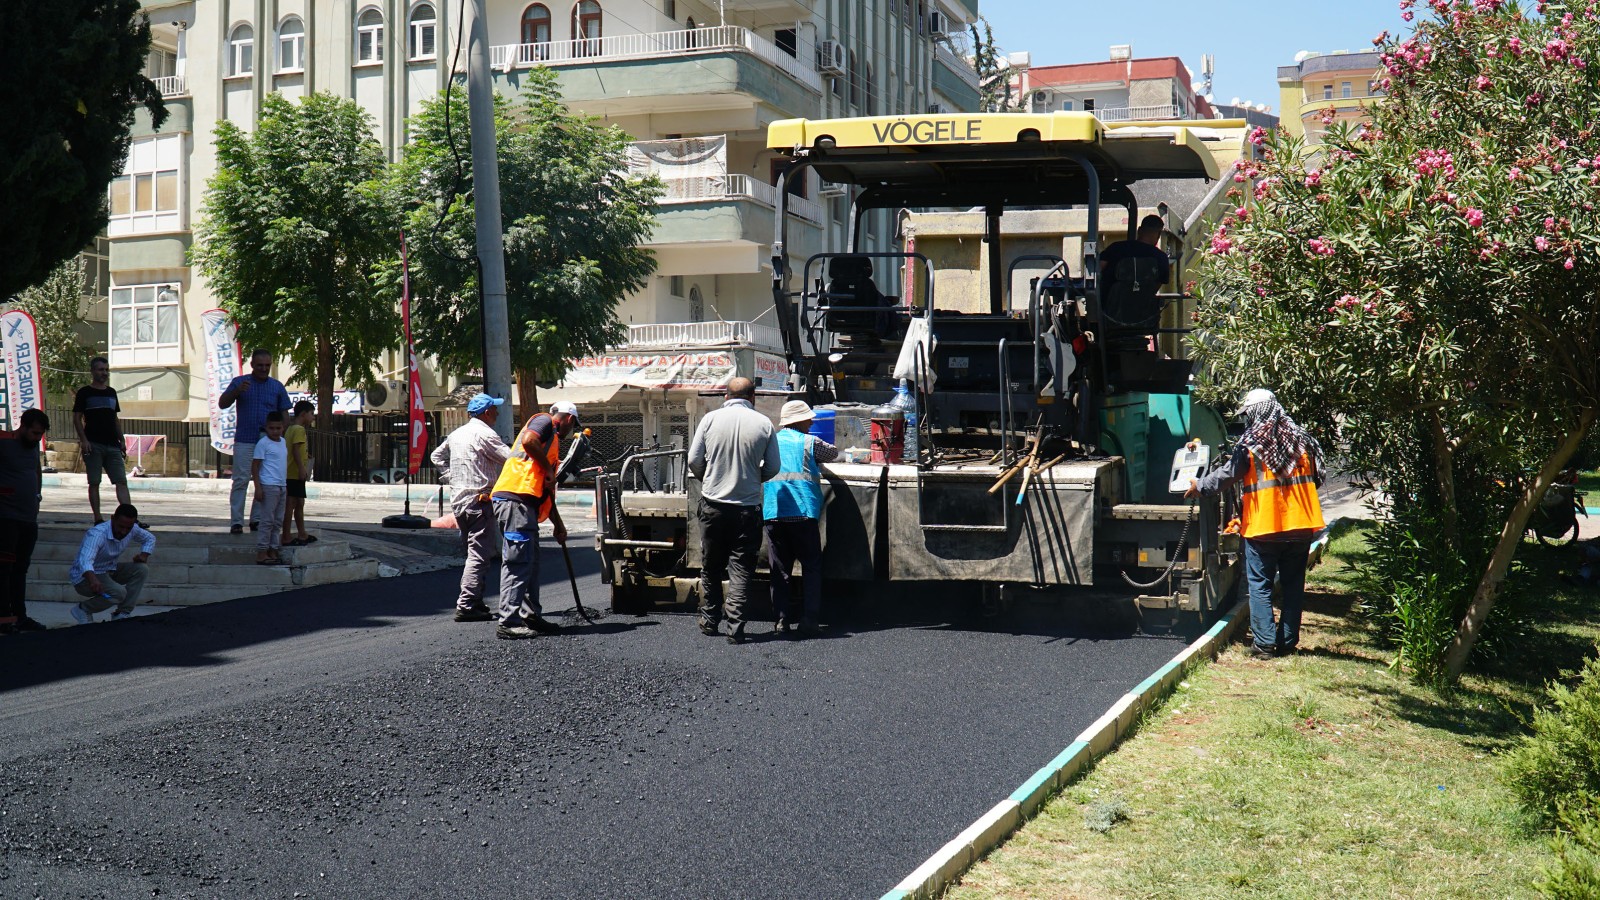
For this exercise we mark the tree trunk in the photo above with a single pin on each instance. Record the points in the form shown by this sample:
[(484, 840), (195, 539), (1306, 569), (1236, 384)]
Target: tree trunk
[(1444, 473), (324, 381), (527, 396), (1455, 659)]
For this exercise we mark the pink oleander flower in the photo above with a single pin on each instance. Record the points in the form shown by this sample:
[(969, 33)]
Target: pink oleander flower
[(1556, 49), (1474, 217), (1534, 99), (1221, 246), (1515, 46), (1514, 174), (1313, 178), (1569, 264), (1483, 83), (1320, 247), (1541, 243), (1258, 136), (1549, 224)]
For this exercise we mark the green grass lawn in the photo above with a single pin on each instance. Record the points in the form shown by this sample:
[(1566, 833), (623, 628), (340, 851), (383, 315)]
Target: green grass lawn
[(1324, 776)]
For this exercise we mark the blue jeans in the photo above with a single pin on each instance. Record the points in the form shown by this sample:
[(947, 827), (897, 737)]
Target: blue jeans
[(1286, 561)]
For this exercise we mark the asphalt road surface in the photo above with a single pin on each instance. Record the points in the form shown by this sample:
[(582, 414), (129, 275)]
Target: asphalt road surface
[(351, 741)]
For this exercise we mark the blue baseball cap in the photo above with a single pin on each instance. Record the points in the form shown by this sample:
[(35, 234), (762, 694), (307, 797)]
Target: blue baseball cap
[(481, 402)]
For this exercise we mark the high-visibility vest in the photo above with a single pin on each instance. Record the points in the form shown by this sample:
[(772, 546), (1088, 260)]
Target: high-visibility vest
[(522, 475), (1275, 503), (797, 488)]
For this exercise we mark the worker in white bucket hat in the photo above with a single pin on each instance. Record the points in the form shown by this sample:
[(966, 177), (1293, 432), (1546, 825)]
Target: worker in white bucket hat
[(792, 505)]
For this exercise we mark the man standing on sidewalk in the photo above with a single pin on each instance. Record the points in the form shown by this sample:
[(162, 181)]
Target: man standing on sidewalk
[(97, 575), (524, 496), (95, 412), (257, 394), (20, 484), (793, 504), (732, 453), (1278, 467), (473, 455)]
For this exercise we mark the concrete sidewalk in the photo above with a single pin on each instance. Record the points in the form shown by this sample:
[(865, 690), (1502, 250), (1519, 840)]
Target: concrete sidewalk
[(420, 494)]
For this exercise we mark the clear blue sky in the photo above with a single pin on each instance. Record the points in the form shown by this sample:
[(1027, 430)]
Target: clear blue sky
[(1249, 39)]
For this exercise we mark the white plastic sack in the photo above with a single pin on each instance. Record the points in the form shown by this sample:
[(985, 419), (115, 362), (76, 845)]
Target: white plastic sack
[(919, 341)]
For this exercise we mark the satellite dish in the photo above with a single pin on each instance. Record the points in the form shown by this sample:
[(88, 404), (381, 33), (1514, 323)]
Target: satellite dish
[(1301, 56), (1234, 102), (377, 394)]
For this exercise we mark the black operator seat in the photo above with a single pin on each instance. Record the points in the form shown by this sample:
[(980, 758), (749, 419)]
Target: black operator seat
[(1131, 305), (856, 307)]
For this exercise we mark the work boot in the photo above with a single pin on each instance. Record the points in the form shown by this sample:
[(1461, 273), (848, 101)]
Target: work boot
[(473, 615), (708, 628), (541, 624), (736, 636), (782, 627), (28, 623), (513, 632), (1259, 652)]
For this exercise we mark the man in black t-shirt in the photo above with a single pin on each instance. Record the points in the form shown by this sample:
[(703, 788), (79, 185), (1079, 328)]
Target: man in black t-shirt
[(1146, 245), (100, 441)]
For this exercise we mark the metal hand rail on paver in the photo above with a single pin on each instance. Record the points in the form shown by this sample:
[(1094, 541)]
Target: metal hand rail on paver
[(715, 39)]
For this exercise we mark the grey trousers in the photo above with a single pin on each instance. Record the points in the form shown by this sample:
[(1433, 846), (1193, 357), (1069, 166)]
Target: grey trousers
[(244, 456), (273, 498), (122, 587), (481, 533), (519, 560)]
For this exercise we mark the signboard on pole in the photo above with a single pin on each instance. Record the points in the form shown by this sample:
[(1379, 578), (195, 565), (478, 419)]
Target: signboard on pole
[(417, 420), (223, 365), (19, 341)]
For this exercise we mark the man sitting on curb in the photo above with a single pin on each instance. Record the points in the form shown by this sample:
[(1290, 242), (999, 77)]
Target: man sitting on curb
[(97, 575)]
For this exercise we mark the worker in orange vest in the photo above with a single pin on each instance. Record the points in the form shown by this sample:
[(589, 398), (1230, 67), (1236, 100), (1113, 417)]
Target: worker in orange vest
[(525, 495), (1278, 467)]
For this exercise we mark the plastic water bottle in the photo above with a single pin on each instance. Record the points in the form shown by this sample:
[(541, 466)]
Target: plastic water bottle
[(905, 401)]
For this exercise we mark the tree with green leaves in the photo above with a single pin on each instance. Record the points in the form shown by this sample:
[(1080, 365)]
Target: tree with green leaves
[(75, 69), (994, 73), (573, 218), (296, 223), (1426, 287), (56, 305)]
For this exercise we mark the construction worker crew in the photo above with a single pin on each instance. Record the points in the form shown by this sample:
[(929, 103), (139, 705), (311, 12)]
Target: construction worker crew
[(792, 504), (1145, 245), (1278, 467), (525, 495), (732, 453), (473, 455), (96, 573)]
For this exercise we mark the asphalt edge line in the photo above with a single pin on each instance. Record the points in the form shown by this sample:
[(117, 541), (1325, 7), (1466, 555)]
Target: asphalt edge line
[(940, 870)]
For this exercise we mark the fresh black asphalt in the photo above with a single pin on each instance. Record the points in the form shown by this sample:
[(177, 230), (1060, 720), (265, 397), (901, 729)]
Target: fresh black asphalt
[(350, 741)]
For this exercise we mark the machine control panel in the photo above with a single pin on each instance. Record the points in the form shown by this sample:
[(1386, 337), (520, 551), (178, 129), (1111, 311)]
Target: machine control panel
[(1190, 462)]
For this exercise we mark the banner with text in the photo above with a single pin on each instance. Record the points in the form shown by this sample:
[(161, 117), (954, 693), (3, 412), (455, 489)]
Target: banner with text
[(19, 341), (653, 370), (345, 403), (417, 418), (223, 365)]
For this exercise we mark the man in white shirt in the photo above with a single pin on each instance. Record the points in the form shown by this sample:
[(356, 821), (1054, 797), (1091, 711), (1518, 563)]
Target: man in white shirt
[(97, 575), (732, 453), (474, 454)]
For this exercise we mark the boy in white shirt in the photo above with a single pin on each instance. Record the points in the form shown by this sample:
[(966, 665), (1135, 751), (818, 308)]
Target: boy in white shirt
[(270, 469)]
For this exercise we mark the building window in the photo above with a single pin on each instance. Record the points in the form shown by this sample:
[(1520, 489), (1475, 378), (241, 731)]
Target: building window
[(144, 198), (1344, 90), (369, 37), (670, 9), (786, 40), (922, 18), (697, 305), (1088, 105), (423, 28), (242, 50), (1327, 92), (97, 269), (1066, 106), (536, 24), (675, 285), (292, 45), (145, 325), (586, 27)]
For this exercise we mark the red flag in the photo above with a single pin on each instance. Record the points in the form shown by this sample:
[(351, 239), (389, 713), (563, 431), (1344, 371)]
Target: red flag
[(417, 421)]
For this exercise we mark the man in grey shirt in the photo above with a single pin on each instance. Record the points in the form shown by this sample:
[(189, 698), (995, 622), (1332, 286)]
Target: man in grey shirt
[(474, 455), (732, 453)]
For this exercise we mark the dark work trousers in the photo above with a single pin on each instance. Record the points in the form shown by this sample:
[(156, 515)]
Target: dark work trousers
[(519, 560), (16, 554), (790, 541), (730, 539)]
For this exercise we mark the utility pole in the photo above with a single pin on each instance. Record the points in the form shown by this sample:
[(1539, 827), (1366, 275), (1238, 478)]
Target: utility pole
[(486, 214)]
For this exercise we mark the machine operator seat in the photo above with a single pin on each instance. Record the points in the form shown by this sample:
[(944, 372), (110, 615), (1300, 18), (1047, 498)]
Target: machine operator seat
[(1130, 306), (858, 310)]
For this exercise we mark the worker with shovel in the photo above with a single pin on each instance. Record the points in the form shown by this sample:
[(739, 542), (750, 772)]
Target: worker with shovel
[(525, 495)]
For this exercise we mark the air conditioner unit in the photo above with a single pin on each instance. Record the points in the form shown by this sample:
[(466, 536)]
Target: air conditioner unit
[(830, 58), (935, 108), (938, 23), (387, 395), (1041, 96)]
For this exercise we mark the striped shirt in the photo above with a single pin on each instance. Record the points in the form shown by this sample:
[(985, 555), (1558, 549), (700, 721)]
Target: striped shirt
[(101, 548)]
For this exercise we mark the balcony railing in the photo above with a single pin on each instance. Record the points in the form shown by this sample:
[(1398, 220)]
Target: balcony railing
[(1139, 113), (957, 64), (672, 335), (172, 85), (716, 39), (701, 188)]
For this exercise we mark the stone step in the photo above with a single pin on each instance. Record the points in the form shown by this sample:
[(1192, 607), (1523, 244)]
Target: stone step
[(320, 552), (224, 583), (166, 536)]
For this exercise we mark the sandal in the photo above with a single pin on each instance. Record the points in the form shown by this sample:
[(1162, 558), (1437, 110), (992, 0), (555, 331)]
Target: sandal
[(297, 542), (310, 539)]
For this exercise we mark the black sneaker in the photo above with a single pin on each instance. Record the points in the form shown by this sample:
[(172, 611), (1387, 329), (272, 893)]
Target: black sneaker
[(1259, 652), (255, 526), (540, 624), (236, 529), (736, 636), (28, 623), (709, 629), (513, 632), (473, 615)]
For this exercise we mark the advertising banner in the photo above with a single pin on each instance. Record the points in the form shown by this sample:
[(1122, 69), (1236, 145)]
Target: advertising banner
[(19, 341), (223, 365), (654, 370), (417, 418), (345, 403)]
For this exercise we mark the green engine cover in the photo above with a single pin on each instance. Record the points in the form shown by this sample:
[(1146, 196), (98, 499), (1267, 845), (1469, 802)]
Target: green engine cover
[(1147, 430)]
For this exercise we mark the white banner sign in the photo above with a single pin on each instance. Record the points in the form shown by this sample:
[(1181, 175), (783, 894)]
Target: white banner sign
[(222, 367), (345, 403), (19, 341), (648, 370)]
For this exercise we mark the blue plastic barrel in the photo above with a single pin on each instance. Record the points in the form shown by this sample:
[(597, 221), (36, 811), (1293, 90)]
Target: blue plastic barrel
[(822, 425)]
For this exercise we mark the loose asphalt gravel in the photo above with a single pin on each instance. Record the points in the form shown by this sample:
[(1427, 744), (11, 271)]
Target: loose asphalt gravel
[(350, 741)]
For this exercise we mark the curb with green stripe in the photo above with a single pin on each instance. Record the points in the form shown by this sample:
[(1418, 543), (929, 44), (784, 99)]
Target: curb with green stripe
[(930, 879)]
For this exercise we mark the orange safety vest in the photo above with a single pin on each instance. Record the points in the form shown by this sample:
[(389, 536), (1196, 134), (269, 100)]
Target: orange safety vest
[(1274, 504), (522, 475)]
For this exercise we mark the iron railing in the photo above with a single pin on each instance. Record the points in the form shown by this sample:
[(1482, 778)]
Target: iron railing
[(720, 38)]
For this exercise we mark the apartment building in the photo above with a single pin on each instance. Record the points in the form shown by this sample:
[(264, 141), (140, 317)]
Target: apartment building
[(1118, 89), (694, 83), (1337, 86)]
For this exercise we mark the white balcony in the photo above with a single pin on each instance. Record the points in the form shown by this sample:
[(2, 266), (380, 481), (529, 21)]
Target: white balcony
[(1139, 113), (657, 45), (703, 188), (693, 335), (172, 86)]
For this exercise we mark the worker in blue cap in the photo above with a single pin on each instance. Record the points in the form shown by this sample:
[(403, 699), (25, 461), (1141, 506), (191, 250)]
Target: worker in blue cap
[(473, 455)]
